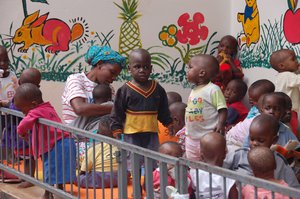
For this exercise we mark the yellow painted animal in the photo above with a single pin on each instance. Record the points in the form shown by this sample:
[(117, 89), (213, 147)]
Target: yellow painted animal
[(250, 23)]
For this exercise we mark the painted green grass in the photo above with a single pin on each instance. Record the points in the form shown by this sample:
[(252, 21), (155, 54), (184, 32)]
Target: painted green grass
[(271, 39)]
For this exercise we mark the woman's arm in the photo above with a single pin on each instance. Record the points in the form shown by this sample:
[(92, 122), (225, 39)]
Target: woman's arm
[(82, 108)]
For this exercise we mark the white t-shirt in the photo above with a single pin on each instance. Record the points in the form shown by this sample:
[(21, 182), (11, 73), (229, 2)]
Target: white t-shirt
[(201, 113), (77, 85), (7, 86), (289, 83), (217, 184)]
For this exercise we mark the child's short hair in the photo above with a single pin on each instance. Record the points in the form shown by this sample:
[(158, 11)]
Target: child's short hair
[(265, 85), (211, 144), (266, 119), (278, 57), (172, 145), (105, 121), (211, 64), (173, 97), (31, 75), (234, 41), (241, 86), (102, 91), (261, 160), (287, 99), (278, 95), (29, 92)]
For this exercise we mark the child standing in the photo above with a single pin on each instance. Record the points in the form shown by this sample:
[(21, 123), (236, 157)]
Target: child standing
[(285, 62), (206, 108), (234, 93), (28, 99), (263, 165), (213, 152), (230, 67), (140, 104), (87, 173), (263, 132)]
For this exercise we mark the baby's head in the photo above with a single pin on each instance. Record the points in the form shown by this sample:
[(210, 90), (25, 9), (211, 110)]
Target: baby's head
[(262, 162), (139, 65), (258, 88), (4, 62), (273, 104), (202, 69), (102, 93), (28, 96), (228, 45), (104, 126), (284, 60), (263, 131), (213, 149), (173, 97), (287, 116), (235, 91), (31, 75), (177, 111), (171, 148)]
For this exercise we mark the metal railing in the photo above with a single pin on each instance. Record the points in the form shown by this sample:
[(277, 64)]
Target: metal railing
[(70, 190)]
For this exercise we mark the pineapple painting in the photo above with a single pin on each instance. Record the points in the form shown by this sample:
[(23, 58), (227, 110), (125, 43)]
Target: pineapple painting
[(129, 38)]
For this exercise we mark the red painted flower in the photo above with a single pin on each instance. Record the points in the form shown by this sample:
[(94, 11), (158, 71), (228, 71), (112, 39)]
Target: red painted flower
[(191, 30)]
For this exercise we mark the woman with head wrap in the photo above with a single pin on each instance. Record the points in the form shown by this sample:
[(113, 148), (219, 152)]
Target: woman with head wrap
[(77, 97)]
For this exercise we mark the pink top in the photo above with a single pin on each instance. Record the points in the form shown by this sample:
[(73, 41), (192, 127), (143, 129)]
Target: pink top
[(46, 111), (248, 192)]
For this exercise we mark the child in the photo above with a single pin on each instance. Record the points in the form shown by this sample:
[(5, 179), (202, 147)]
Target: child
[(29, 75), (237, 134), (206, 108), (163, 132), (274, 104), (230, 67), (263, 132), (213, 152), (87, 173), (234, 93), (177, 111), (286, 118), (285, 62), (28, 99), (140, 104), (263, 165), (172, 149)]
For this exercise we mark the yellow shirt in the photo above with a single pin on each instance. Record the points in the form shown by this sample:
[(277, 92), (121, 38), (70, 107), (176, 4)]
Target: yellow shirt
[(98, 158)]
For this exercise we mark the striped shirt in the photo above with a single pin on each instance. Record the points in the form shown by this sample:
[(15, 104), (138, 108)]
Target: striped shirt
[(77, 85)]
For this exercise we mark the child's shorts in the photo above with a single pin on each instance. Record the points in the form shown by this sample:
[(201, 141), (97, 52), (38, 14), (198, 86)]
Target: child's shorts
[(98, 176), (66, 163)]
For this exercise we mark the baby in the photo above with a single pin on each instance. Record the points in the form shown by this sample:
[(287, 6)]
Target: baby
[(234, 94), (213, 152), (263, 132), (206, 107), (263, 165), (287, 80)]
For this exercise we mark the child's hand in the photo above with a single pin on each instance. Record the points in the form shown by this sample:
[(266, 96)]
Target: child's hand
[(220, 129)]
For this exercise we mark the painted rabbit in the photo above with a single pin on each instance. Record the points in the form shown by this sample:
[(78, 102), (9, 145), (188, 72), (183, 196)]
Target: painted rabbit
[(53, 32)]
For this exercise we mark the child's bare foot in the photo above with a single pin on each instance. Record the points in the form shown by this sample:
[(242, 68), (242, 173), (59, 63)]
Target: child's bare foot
[(25, 185), (47, 195)]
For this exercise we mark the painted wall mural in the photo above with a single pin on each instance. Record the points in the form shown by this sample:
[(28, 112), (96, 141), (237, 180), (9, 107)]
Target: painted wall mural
[(274, 35), (250, 22)]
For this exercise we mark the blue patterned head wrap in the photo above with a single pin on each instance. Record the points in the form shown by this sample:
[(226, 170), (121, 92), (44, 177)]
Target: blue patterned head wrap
[(104, 54)]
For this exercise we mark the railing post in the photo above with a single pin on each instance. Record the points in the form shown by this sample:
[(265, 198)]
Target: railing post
[(122, 173), (183, 185)]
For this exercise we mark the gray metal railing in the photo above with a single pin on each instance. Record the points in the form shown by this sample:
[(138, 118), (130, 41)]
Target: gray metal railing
[(70, 190)]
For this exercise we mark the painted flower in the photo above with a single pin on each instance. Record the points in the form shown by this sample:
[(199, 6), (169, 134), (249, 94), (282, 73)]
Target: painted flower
[(24, 57), (168, 35), (48, 55), (191, 31)]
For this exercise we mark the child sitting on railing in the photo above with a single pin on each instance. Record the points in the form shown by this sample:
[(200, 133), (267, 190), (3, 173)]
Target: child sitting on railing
[(263, 165), (61, 149), (87, 172)]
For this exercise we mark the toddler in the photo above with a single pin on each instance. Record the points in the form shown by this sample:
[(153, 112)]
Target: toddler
[(230, 66), (234, 94), (140, 104), (87, 173), (206, 108), (28, 99), (172, 149), (177, 111), (213, 152), (263, 165), (237, 134), (274, 104), (263, 132), (173, 97), (286, 118), (285, 62)]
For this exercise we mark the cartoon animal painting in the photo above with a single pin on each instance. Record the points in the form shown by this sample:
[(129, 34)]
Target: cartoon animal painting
[(250, 22), (54, 33)]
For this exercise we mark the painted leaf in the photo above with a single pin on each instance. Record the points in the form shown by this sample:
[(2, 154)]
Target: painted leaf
[(292, 4), (41, 1)]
